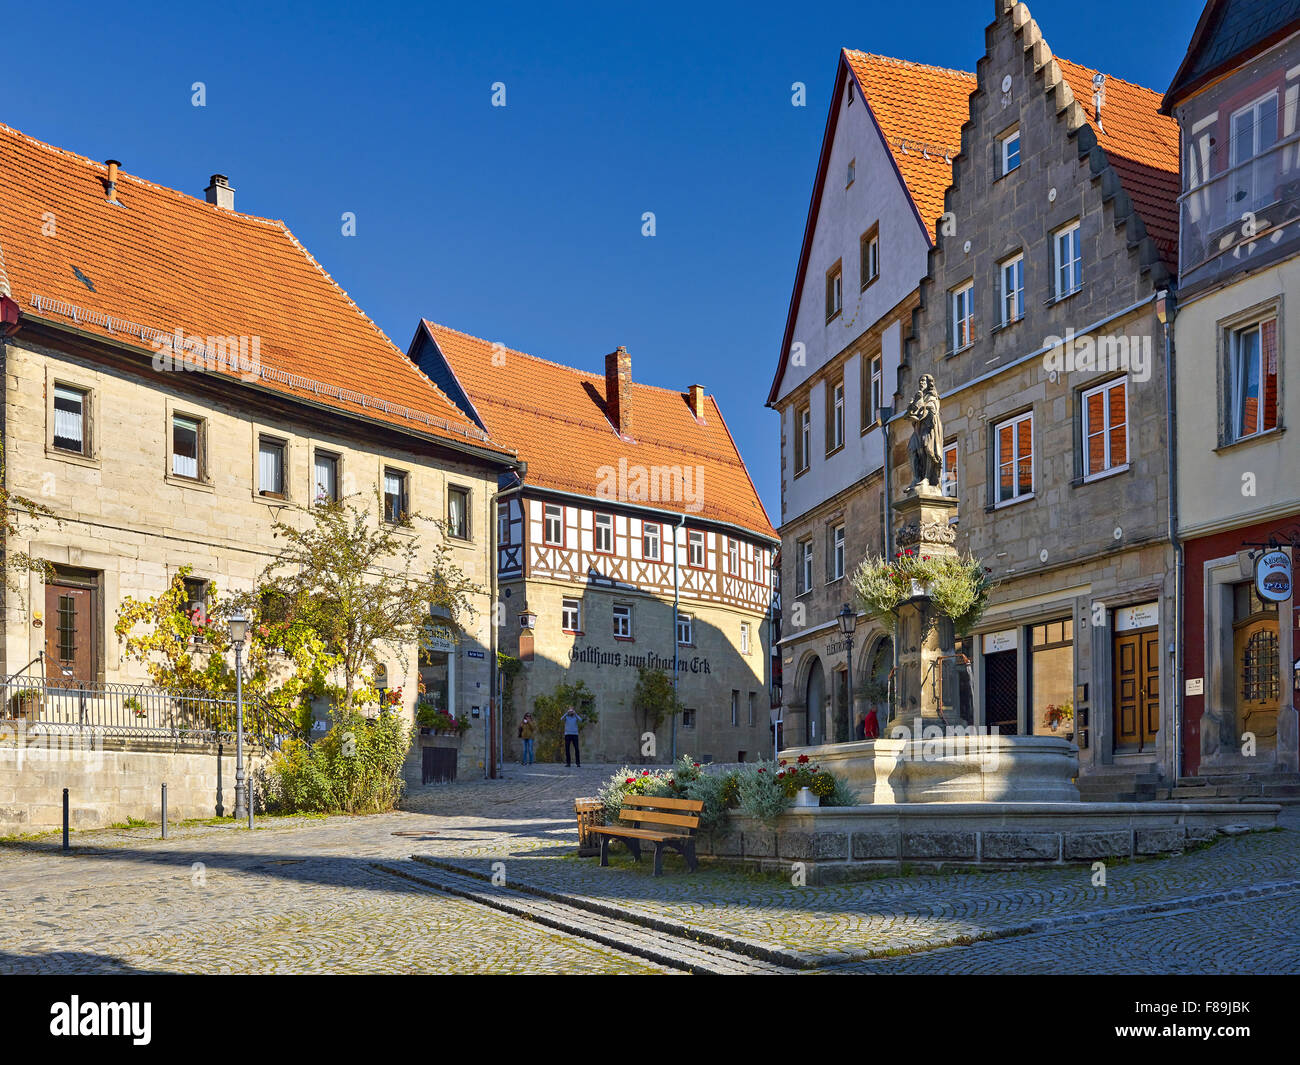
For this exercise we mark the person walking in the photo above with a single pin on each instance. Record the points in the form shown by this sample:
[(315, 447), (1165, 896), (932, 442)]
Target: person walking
[(571, 722), (527, 730)]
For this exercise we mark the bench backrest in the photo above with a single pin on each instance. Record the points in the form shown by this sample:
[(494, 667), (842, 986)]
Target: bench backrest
[(654, 810)]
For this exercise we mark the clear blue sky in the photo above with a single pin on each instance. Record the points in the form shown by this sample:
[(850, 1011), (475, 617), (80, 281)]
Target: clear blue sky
[(523, 224)]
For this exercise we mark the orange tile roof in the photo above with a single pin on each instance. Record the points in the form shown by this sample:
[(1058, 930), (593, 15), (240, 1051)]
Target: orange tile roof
[(1142, 146), (554, 417), (920, 110), (163, 260)]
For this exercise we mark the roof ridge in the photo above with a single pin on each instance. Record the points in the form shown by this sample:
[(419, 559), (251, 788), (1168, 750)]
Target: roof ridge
[(4, 278), (911, 63)]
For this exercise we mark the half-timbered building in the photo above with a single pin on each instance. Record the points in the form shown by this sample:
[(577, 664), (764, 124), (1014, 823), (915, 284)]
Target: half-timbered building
[(635, 539)]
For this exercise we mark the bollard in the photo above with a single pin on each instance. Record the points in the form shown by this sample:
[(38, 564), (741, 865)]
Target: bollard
[(65, 820), (250, 802), (164, 811)]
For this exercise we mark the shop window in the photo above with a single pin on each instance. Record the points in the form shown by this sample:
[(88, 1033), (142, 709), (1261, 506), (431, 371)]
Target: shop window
[(1051, 680)]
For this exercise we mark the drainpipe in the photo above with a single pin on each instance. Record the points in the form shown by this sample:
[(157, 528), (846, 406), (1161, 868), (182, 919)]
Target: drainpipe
[(1167, 311), (490, 762), (676, 606)]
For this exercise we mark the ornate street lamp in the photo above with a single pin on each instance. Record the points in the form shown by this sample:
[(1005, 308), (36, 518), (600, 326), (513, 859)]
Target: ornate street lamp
[(238, 626), (848, 620)]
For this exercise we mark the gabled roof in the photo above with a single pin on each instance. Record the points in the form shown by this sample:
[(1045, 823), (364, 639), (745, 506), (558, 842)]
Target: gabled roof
[(1229, 33), (157, 260), (918, 111), (554, 416)]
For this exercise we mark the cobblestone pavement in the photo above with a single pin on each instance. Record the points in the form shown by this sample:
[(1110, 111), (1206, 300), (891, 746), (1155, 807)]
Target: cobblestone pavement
[(307, 895)]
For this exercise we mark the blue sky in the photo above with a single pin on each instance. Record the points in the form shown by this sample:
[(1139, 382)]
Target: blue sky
[(523, 224)]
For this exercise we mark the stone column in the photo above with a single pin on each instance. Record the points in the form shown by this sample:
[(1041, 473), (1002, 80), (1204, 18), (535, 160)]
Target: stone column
[(927, 672)]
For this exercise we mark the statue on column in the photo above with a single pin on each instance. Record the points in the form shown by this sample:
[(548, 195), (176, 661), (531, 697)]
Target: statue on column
[(925, 449)]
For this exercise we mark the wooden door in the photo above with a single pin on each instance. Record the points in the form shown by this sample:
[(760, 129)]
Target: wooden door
[(1136, 691), (1255, 662), (70, 633)]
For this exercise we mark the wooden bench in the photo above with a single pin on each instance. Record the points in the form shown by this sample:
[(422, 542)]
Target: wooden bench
[(680, 818)]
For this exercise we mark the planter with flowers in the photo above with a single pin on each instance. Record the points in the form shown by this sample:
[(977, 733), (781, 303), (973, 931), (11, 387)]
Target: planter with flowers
[(435, 722), (956, 587)]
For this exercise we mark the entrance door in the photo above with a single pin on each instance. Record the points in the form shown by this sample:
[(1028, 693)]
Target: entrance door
[(813, 731), (71, 613), (1137, 689), (842, 734), (1001, 692), (1259, 691)]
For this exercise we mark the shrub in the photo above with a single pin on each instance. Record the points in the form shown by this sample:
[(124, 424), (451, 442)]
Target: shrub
[(354, 768), (547, 711), (761, 794), (719, 792)]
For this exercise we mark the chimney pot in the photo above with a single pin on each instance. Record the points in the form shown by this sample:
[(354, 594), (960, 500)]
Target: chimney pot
[(618, 390), (111, 181), (220, 193), (697, 401)]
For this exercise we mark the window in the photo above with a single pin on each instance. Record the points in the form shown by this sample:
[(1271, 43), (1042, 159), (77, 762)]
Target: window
[(950, 468), (650, 534), (733, 556), (803, 439), (803, 575), (744, 637), (752, 719), (604, 534), (688, 718), (186, 437), (1015, 458), (553, 524), (1254, 132), (395, 506), (835, 423), (571, 615), (270, 467), (853, 167), (1254, 381), (869, 255), (457, 512), (325, 469), (70, 409), (1069, 261), (1009, 147), (873, 394), (685, 629), (1105, 429), (1051, 678), (196, 599), (1013, 289), (963, 316), (735, 708), (834, 291), (836, 568), (622, 621), (503, 523), (695, 548)]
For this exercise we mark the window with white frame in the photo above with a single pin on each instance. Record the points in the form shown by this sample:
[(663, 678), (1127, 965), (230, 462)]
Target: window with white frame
[(803, 566), (835, 423), (1069, 260), (650, 543), (803, 439), (71, 407), (325, 477), (1014, 458), (503, 523), (875, 392), (685, 629), (395, 495), (623, 621), (553, 525), (187, 443), (733, 556), (1254, 132), (836, 568), (851, 173), (571, 615), (963, 316), (604, 534), (744, 637), (1105, 428), (834, 291), (950, 468), (735, 708), (695, 548), (458, 512), (869, 255), (1013, 289), (1253, 381), (270, 466), (1009, 151)]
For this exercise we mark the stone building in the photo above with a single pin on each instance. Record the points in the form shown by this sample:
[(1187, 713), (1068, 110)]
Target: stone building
[(617, 473), (1237, 339), (155, 453), (1042, 318), (885, 162)]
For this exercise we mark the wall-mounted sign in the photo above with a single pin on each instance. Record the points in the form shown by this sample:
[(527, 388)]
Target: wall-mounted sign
[(1006, 640), (1145, 616), (1273, 576), (473, 654), (440, 639), (594, 656), (1195, 686)]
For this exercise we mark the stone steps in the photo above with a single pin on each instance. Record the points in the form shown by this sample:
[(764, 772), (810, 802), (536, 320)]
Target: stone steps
[(1264, 786)]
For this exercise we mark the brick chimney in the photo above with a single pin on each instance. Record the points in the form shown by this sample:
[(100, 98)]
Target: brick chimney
[(220, 193), (618, 390), (697, 401)]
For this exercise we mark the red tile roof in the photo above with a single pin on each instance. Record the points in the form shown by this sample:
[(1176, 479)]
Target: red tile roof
[(163, 260), (554, 416)]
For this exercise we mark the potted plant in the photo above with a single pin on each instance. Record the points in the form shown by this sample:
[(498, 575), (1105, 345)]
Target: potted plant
[(25, 702), (133, 704)]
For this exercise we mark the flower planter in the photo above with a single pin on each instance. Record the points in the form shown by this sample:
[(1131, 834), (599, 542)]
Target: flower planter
[(920, 589), (805, 797)]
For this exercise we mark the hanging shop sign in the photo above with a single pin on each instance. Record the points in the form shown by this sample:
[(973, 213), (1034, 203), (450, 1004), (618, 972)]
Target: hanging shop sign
[(1273, 576)]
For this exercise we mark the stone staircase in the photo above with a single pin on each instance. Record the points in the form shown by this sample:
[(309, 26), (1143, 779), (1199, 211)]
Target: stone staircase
[(1122, 786), (1263, 785)]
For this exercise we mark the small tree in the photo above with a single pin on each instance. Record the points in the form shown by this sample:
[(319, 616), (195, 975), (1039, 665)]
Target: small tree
[(654, 698), (21, 512), (550, 708), (364, 586)]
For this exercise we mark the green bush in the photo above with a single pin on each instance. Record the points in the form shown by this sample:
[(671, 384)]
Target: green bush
[(355, 768), (547, 711), (762, 795)]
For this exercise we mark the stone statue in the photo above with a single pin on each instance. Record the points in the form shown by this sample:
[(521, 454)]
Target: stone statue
[(925, 449)]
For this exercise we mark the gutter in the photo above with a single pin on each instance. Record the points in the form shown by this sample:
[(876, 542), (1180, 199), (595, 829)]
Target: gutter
[(1167, 309), (494, 700)]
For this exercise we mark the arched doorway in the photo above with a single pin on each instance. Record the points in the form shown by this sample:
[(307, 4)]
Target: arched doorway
[(875, 687), (814, 731)]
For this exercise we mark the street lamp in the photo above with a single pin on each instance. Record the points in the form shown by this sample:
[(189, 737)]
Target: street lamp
[(848, 620), (238, 626)]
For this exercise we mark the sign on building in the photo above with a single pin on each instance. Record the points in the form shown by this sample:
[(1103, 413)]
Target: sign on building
[(1273, 576)]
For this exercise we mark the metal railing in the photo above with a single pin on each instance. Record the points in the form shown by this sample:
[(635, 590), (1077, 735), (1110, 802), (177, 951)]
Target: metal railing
[(138, 712)]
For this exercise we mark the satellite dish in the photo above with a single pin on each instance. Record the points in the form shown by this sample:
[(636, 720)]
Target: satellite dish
[(1006, 83)]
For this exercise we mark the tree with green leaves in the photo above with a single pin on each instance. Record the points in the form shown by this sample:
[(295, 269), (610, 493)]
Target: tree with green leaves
[(22, 515), (654, 698)]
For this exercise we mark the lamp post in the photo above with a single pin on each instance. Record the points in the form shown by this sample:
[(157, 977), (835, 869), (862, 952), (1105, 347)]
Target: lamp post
[(238, 625), (848, 620)]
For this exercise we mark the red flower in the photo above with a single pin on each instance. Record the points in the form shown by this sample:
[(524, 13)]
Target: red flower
[(762, 770), (629, 780), (803, 758), (908, 552), (697, 765)]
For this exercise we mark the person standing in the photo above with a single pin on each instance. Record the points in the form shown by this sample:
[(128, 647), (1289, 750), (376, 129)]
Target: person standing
[(571, 722), (527, 730)]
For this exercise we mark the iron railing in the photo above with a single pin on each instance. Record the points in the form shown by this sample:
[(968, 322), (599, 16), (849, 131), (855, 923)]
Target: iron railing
[(131, 711)]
